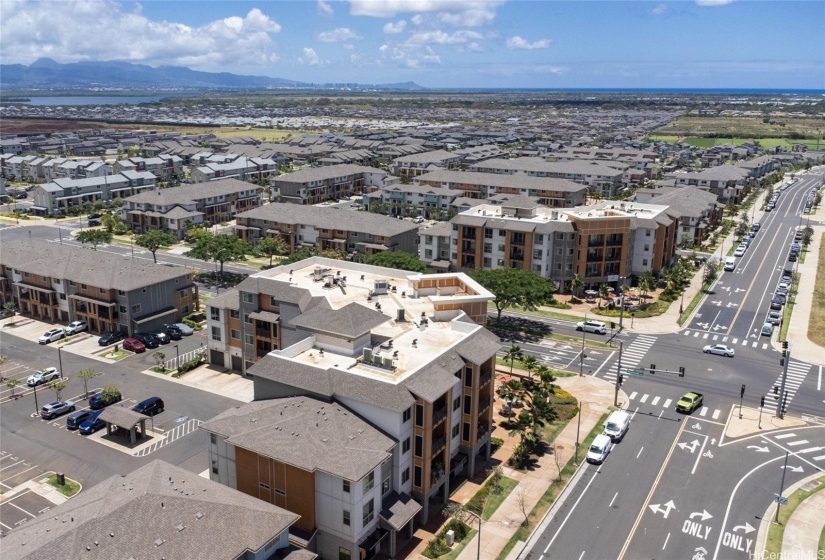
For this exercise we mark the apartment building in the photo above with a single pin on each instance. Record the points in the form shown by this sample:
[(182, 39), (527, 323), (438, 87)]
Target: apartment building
[(436, 246), (327, 228), (552, 192), (603, 179), (163, 166), (242, 168), (158, 510), (177, 209), (318, 184), (61, 196), (729, 183), (412, 200), (413, 165), (62, 283), (698, 210), (406, 352)]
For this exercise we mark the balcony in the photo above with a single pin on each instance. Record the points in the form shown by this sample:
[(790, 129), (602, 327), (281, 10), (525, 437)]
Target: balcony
[(481, 431), (594, 257), (438, 444), (483, 405), (485, 377), (439, 415)]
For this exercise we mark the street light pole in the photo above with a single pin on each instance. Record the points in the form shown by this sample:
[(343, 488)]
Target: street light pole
[(624, 295), (781, 488), (578, 428), (682, 303), (177, 357), (581, 358)]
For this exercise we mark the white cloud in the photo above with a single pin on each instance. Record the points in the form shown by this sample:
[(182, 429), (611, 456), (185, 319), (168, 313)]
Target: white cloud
[(659, 10), (35, 29), (324, 8), (441, 38), (409, 58), (713, 2), (338, 35), (460, 13), (311, 58), (394, 28), (519, 43), (417, 19), (475, 47)]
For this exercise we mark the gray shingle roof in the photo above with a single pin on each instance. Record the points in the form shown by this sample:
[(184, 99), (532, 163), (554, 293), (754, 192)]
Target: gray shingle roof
[(187, 194), (157, 510), (479, 346), (510, 181), (399, 509), (435, 378), (330, 218), (326, 172), (351, 321), (308, 433), (85, 266), (121, 416)]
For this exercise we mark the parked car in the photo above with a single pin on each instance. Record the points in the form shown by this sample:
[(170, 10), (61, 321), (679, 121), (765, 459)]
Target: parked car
[(767, 329), (43, 376), (148, 340), (756, 226), (690, 402), (185, 329), (418, 219), (76, 326), (51, 335), (617, 425), (92, 424), (75, 419), (774, 317), (150, 406), (777, 303), (173, 331), (592, 326), (56, 408), (94, 220), (21, 196), (769, 208), (102, 400), (793, 256), (719, 350), (599, 449), (739, 252), (162, 337), (133, 345), (110, 338)]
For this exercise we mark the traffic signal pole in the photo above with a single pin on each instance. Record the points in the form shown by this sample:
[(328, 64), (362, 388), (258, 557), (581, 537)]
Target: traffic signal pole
[(619, 376), (780, 412)]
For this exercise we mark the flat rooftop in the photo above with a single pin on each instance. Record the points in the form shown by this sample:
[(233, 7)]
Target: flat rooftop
[(613, 209)]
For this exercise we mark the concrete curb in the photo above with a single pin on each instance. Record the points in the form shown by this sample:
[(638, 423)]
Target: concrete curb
[(767, 517)]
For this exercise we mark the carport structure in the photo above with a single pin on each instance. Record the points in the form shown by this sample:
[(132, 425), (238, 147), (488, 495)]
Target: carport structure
[(119, 417)]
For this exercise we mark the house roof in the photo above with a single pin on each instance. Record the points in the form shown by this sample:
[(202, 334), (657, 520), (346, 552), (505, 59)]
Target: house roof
[(326, 172), (330, 218), (188, 194), (517, 181), (157, 510), (308, 433), (350, 321)]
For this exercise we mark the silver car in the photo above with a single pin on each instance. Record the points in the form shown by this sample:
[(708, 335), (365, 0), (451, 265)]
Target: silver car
[(76, 326), (51, 335), (56, 408), (43, 376), (719, 350)]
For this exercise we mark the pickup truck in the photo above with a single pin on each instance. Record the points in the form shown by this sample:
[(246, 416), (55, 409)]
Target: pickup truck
[(690, 402)]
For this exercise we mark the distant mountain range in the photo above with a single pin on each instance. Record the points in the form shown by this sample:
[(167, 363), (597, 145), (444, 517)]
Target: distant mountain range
[(45, 73)]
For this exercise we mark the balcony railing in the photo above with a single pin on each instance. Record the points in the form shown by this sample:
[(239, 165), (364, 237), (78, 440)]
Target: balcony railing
[(483, 405), (439, 415), (485, 377), (482, 431), (438, 444)]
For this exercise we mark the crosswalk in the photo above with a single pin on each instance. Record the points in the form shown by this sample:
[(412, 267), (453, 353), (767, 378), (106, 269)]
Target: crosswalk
[(797, 371), (637, 398), (729, 339), (792, 441), (632, 354)]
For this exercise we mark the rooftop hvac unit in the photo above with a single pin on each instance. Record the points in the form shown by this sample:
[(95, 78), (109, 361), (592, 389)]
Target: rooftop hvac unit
[(399, 316), (387, 361), (554, 215), (367, 355), (318, 274), (381, 287)]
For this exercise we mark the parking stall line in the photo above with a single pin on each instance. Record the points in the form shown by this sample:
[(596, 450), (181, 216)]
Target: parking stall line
[(9, 466), (6, 526), (796, 443), (18, 507), (715, 414)]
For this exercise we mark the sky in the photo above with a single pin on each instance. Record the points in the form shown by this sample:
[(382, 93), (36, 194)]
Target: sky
[(777, 44)]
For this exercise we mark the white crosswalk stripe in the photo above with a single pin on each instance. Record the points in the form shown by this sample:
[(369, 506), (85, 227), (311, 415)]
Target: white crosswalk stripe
[(632, 354), (644, 398), (704, 411), (667, 403), (715, 337), (797, 372), (734, 341), (705, 335), (716, 414), (799, 442), (819, 458), (655, 400), (724, 339), (785, 436)]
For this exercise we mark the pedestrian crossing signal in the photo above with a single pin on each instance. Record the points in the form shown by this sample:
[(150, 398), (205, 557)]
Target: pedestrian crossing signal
[(681, 371)]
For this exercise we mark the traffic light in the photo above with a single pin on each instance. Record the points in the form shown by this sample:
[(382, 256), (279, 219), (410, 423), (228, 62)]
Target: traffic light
[(784, 344), (742, 391), (621, 378), (762, 402), (681, 371), (784, 356), (652, 369), (612, 325), (775, 389)]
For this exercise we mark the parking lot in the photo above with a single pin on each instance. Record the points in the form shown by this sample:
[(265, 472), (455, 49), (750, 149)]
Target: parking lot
[(20, 502)]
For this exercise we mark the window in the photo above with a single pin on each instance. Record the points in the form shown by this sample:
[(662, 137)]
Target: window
[(647, 233), (62, 296), (248, 338), (419, 415), (457, 402), (215, 313), (263, 486), (417, 477), (468, 404), (369, 482), (84, 286), (122, 308), (214, 466), (185, 310), (346, 518), (647, 247), (407, 415), (246, 319), (419, 446), (280, 492), (644, 262), (345, 486), (234, 313), (101, 290), (369, 513), (468, 376), (466, 429), (385, 486), (26, 274), (121, 293), (216, 334), (213, 439), (405, 446), (235, 334), (454, 432), (136, 308), (247, 297), (405, 475), (344, 553)]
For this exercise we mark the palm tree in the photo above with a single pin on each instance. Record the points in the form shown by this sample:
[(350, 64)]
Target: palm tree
[(604, 293), (530, 363), (513, 354), (576, 284), (647, 283)]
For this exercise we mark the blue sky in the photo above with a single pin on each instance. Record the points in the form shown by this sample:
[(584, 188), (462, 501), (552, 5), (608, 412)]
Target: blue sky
[(441, 43)]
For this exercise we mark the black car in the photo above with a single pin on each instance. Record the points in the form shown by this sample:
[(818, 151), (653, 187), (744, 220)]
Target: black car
[(173, 331), (102, 400), (150, 406), (75, 419), (163, 338), (110, 338), (148, 340), (21, 196), (777, 303)]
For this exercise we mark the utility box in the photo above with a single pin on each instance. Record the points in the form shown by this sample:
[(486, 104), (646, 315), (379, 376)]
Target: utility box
[(450, 537)]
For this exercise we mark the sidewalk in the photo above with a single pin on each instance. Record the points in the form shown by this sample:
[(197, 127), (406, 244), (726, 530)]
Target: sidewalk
[(802, 531)]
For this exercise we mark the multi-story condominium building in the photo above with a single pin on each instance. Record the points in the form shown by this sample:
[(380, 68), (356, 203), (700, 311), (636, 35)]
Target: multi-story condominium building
[(317, 184), (729, 183), (177, 209), (55, 282), (414, 165), (553, 192), (406, 352), (435, 248), (412, 200), (64, 195), (164, 166), (241, 168), (605, 180), (158, 510), (698, 210), (327, 228)]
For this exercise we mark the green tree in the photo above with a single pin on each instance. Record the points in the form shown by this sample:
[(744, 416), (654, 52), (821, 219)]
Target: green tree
[(604, 293), (647, 283), (397, 259), (112, 222), (513, 354), (712, 267), (515, 287), (220, 248), (530, 363), (94, 236), (576, 284), (57, 385), (86, 375), (109, 392), (271, 246), (153, 240), (12, 383)]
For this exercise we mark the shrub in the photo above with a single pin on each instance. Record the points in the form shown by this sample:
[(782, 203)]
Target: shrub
[(495, 444)]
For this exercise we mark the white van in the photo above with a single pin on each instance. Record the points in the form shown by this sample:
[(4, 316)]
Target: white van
[(599, 449), (730, 264), (617, 424)]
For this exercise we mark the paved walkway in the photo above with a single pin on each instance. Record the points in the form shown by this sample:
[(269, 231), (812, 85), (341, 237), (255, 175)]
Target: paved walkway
[(801, 537), (597, 397)]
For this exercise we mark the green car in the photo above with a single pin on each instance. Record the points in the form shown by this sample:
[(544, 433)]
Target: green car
[(689, 402), (767, 329)]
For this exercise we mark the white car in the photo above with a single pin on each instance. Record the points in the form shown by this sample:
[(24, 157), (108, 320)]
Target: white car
[(739, 252), (43, 376), (418, 219), (76, 326), (592, 326), (51, 335), (719, 350)]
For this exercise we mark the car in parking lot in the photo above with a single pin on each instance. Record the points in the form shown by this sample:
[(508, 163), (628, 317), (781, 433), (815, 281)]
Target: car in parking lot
[(150, 406), (689, 402), (148, 340), (21, 196), (102, 400), (173, 331), (719, 350), (75, 327), (592, 326), (110, 338), (75, 419), (56, 408), (767, 329), (51, 335), (92, 424), (162, 337), (184, 329), (43, 376), (133, 345), (774, 317), (418, 219)]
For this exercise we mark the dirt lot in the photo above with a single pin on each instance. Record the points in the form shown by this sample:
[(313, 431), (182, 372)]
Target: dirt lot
[(46, 126)]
